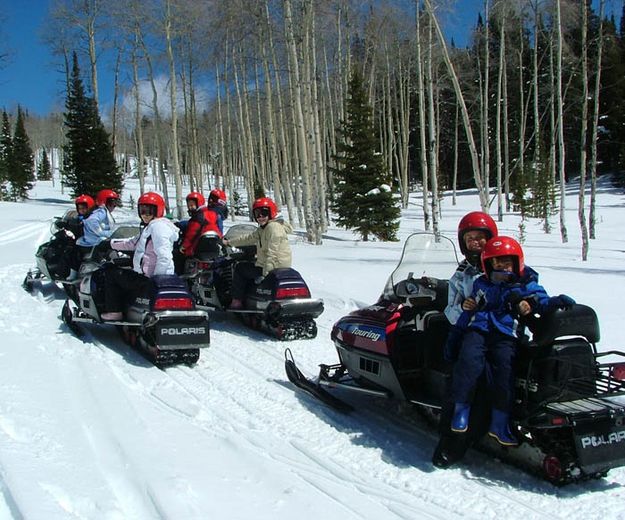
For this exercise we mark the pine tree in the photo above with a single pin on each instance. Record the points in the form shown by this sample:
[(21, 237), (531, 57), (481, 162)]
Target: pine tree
[(22, 172), (88, 159), (364, 200), (6, 146), (44, 172)]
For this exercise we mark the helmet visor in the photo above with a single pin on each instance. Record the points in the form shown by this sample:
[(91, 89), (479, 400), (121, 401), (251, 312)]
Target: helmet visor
[(262, 212)]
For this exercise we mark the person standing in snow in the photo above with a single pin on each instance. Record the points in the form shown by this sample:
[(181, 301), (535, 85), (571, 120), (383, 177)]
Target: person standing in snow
[(272, 249), (152, 248)]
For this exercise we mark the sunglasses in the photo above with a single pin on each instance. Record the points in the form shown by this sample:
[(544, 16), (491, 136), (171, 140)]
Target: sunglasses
[(147, 210), (262, 212)]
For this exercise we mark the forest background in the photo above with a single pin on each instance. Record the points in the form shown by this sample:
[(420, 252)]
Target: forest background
[(248, 95)]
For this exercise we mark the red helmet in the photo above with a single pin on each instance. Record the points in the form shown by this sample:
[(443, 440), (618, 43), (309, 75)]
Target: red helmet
[(104, 196), (84, 199), (503, 246), (152, 198), (218, 196), (475, 221), (266, 202), (197, 197)]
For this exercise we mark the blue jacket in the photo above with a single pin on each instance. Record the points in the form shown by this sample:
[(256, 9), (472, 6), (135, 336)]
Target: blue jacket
[(97, 227), (460, 288), (495, 304)]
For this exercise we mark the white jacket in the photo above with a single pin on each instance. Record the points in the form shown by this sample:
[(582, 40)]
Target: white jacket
[(153, 247)]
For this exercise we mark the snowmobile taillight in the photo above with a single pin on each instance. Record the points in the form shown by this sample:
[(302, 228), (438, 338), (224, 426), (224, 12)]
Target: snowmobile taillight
[(284, 293), (552, 468), (618, 371), (166, 304), (203, 265), (558, 421)]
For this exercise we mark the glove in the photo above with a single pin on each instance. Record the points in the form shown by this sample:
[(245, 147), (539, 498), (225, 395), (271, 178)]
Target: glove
[(258, 280), (561, 302), (453, 344)]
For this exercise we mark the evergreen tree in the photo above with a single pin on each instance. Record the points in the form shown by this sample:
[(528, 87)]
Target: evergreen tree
[(44, 172), (22, 172), (88, 159), (6, 146), (363, 200)]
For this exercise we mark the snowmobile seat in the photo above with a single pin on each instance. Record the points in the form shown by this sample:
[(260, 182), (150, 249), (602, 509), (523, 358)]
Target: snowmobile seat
[(208, 247), (436, 328), (578, 321)]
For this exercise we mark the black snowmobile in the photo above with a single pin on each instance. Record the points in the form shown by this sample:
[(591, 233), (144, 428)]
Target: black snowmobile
[(53, 257), (280, 305), (164, 325), (566, 419)]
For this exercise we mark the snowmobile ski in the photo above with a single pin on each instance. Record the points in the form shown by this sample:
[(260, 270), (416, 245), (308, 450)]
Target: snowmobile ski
[(302, 382)]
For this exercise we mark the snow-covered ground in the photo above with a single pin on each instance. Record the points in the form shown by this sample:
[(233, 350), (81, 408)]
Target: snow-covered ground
[(90, 430)]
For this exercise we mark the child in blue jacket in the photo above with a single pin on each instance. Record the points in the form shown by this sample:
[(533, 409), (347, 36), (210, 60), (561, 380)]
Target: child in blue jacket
[(489, 333)]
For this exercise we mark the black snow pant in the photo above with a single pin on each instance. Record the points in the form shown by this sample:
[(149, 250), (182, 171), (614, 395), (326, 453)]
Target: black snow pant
[(478, 349), (122, 287), (244, 273), (78, 255)]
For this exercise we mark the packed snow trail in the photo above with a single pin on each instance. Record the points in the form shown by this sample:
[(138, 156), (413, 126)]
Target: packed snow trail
[(90, 429)]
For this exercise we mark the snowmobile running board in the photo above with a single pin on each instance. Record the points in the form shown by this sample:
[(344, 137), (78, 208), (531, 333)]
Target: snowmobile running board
[(231, 311), (310, 387)]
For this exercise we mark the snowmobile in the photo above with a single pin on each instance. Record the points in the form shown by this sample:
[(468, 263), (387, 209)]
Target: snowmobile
[(568, 424), (53, 257), (164, 325), (280, 305)]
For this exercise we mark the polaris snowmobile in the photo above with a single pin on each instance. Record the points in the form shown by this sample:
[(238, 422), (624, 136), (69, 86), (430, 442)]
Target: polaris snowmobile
[(280, 305), (568, 424), (164, 325)]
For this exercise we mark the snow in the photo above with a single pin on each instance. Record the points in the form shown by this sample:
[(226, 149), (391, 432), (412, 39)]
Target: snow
[(91, 430)]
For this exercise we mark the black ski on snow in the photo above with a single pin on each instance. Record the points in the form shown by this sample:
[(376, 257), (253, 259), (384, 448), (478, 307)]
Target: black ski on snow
[(310, 387)]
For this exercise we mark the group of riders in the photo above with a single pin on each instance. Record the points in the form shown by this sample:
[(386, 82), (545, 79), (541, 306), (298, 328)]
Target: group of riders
[(162, 247), (490, 295)]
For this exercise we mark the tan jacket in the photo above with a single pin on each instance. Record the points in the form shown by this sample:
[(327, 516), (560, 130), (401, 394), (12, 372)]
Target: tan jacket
[(272, 245)]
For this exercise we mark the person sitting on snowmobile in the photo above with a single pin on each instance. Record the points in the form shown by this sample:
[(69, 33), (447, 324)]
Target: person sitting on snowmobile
[(272, 249), (474, 230), (488, 333), (97, 225), (73, 223), (202, 219), (100, 224), (217, 203), (152, 255)]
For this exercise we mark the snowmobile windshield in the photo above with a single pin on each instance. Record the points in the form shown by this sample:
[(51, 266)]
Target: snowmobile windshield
[(69, 217), (424, 254), (239, 230), (126, 231)]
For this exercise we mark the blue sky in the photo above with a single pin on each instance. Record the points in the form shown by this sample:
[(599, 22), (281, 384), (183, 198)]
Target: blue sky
[(31, 78)]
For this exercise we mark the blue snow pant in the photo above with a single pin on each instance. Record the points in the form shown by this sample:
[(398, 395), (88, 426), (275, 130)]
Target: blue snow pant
[(478, 350)]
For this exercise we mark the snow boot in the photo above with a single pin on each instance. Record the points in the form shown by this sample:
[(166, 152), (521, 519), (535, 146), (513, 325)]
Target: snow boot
[(460, 419), (500, 429)]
